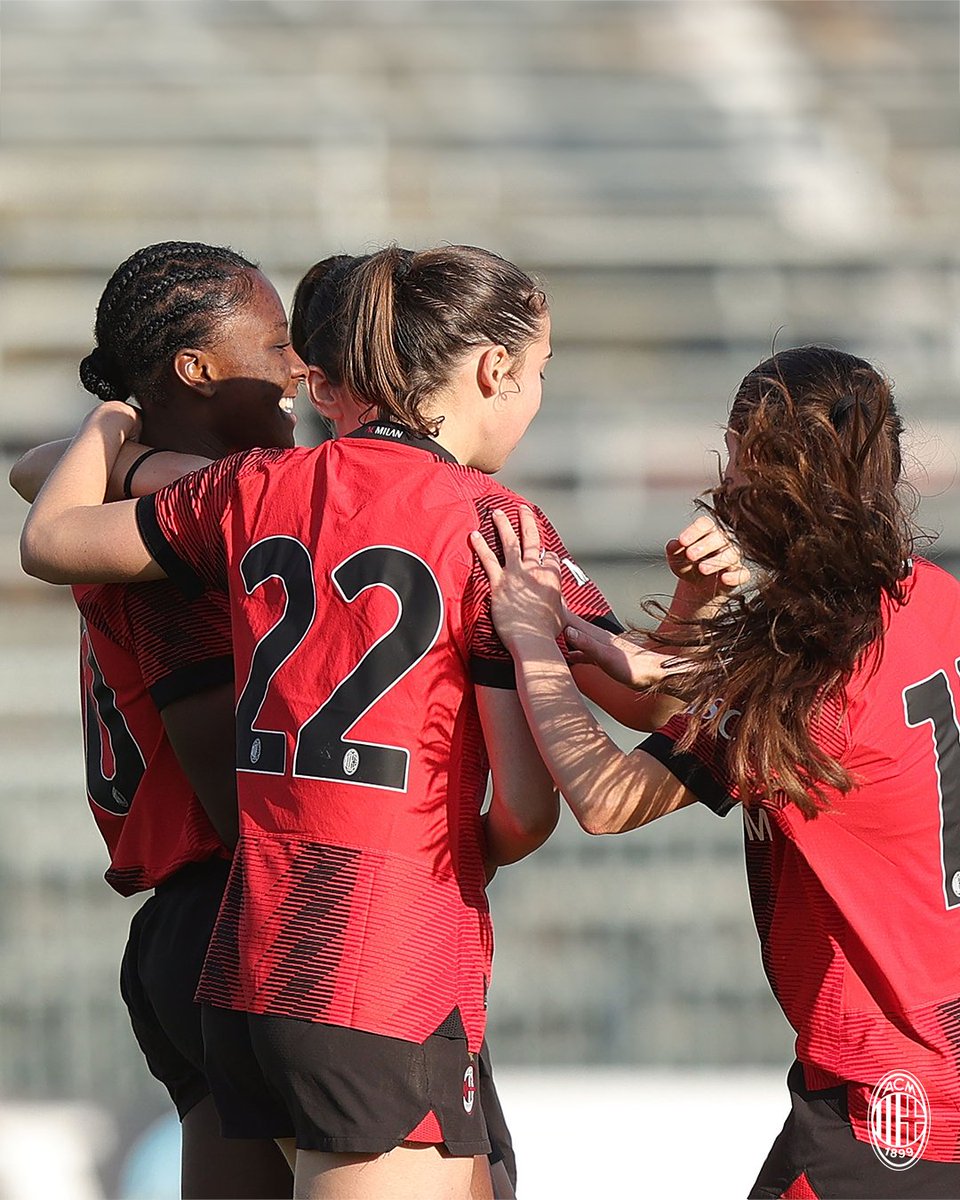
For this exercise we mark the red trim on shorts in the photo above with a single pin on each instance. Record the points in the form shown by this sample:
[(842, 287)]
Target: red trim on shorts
[(428, 1131), (800, 1189)]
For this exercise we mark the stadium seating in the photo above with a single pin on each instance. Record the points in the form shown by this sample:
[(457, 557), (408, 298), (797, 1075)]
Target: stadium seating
[(695, 183)]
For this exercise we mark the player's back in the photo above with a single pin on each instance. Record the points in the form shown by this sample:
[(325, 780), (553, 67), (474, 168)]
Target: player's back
[(860, 907), (361, 625), (360, 755), (144, 806)]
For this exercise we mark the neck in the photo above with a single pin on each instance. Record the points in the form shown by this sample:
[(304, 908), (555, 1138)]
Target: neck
[(455, 436), (166, 429)]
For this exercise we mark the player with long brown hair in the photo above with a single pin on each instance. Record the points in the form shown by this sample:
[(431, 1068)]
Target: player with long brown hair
[(823, 700)]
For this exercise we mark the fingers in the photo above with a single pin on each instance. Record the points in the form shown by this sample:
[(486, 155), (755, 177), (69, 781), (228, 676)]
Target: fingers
[(529, 534), (507, 535), (620, 658), (574, 626), (523, 549), (706, 548), (488, 560)]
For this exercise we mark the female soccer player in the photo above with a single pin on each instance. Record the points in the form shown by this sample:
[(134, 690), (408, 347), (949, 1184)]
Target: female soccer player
[(824, 702), (199, 337), (355, 928)]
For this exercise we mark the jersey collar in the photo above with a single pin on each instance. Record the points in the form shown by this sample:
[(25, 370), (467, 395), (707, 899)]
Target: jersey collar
[(400, 435)]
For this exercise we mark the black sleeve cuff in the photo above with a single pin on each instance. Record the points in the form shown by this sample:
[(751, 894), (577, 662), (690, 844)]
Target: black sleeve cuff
[(695, 776), (494, 673), (176, 570), (189, 680), (609, 622)]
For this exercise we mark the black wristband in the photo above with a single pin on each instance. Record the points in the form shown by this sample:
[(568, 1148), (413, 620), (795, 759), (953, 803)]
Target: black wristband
[(128, 478)]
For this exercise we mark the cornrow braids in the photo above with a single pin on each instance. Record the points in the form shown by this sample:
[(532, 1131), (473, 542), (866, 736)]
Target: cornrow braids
[(162, 298)]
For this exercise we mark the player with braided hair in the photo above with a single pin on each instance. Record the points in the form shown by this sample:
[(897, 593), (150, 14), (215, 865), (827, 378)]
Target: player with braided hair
[(355, 933), (198, 336), (158, 299)]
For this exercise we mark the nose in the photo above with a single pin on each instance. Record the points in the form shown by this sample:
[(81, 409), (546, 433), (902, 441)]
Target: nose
[(298, 368)]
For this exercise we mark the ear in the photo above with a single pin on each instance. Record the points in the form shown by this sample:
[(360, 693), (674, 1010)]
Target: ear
[(325, 396), (193, 367), (493, 368), (334, 403)]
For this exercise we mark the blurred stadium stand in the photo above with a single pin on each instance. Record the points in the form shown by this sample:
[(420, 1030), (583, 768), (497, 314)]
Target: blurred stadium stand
[(688, 178)]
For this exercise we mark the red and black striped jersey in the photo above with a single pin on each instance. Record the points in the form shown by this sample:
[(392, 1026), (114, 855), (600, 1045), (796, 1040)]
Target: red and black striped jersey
[(142, 647), (858, 909), (361, 622)]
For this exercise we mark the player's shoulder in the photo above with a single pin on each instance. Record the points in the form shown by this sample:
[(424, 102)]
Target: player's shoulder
[(931, 595), (932, 578), (270, 459), (489, 493)]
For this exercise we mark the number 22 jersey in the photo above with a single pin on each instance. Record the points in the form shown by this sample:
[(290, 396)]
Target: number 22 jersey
[(361, 622)]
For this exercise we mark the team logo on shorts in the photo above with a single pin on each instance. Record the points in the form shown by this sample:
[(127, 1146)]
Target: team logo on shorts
[(469, 1090), (898, 1120)]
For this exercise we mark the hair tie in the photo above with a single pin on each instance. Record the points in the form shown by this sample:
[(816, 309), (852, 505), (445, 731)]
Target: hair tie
[(840, 408), (105, 362), (402, 269)]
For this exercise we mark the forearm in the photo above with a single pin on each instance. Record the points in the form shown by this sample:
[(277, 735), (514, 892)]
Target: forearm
[(607, 790), (139, 470), (66, 528), (29, 473), (524, 808), (690, 604)]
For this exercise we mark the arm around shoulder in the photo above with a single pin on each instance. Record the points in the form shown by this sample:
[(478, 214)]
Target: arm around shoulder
[(69, 535)]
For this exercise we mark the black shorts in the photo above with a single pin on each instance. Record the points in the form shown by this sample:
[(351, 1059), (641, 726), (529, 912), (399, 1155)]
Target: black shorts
[(159, 973), (817, 1156), (352, 1092), (501, 1143)]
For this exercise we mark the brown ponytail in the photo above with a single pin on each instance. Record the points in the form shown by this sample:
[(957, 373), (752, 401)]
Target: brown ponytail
[(817, 512), (411, 317)]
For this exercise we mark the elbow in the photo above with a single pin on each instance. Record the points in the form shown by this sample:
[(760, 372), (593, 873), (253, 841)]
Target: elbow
[(529, 834), (33, 560), (511, 837), (535, 832), (17, 480), (598, 823)]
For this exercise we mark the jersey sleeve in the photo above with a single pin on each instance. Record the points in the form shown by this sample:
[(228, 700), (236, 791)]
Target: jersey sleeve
[(102, 608), (701, 769), (490, 661), (182, 525), (183, 646), (180, 646)]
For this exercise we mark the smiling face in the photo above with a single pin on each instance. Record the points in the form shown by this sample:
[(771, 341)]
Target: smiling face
[(256, 373)]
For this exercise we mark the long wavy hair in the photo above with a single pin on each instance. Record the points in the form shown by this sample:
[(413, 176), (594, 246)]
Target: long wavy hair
[(814, 498)]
